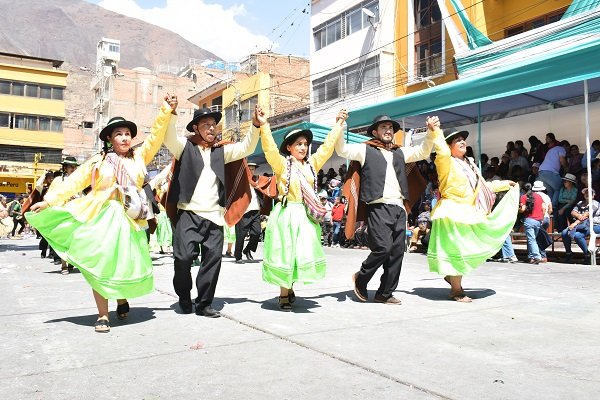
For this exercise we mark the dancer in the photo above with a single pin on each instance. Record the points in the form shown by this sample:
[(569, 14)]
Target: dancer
[(464, 233), (250, 222), (384, 188), (95, 232), (69, 165), (292, 248), (199, 191)]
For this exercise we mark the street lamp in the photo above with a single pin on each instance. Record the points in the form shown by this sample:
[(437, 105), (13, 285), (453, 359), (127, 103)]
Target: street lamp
[(237, 106)]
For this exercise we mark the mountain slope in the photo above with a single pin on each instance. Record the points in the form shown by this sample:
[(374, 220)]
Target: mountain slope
[(69, 30)]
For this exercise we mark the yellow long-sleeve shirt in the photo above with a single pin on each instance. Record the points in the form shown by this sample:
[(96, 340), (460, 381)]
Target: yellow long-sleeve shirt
[(279, 163), (85, 208)]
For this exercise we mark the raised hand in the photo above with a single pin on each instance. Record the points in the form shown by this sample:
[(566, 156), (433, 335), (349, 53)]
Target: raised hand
[(341, 116), (259, 117), (432, 122), (171, 100)]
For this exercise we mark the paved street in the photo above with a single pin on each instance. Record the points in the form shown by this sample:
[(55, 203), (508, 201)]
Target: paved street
[(531, 333)]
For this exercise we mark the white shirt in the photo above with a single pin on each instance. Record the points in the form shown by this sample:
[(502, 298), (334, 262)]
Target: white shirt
[(392, 194), (205, 200)]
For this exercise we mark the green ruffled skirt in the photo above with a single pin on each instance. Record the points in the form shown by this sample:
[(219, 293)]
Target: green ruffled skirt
[(164, 232), (228, 234), (110, 252), (456, 248), (292, 247)]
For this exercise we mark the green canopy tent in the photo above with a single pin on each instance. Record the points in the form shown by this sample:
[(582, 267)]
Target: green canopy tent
[(560, 62)]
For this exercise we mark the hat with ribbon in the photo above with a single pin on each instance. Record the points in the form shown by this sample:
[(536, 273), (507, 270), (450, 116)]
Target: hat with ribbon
[(117, 122), (450, 135), (203, 113), (291, 137), (381, 119)]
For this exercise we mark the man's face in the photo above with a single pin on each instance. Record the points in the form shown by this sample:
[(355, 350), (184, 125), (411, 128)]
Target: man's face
[(206, 128), (385, 132)]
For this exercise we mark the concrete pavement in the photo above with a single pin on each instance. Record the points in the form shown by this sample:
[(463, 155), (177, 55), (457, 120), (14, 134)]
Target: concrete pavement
[(532, 332)]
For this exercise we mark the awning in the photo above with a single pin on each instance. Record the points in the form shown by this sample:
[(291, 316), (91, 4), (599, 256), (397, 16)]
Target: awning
[(531, 79)]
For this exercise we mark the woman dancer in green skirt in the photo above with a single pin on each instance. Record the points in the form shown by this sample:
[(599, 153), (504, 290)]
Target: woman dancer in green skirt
[(465, 232), (93, 232), (292, 245)]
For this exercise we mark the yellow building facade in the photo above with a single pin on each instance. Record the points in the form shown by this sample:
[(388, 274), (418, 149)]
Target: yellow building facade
[(32, 113), (239, 102), (423, 47)]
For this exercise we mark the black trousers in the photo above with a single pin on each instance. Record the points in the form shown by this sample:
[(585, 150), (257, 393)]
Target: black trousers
[(195, 235), (18, 221), (387, 243), (250, 223)]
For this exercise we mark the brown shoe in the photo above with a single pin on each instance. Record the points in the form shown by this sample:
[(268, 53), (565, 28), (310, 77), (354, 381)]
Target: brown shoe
[(387, 300), (534, 261), (544, 260), (362, 296)]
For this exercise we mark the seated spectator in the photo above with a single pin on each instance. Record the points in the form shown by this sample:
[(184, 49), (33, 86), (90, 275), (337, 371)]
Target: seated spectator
[(502, 170), (580, 227), (594, 152), (494, 163), (537, 152), (574, 160), (423, 225), (521, 149), (490, 174), (484, 161), (342, 172), (567, 197), (517, 160), (533, 175)]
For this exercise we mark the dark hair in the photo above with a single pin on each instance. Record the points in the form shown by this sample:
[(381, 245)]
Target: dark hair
[(551, 136), (529, 200)]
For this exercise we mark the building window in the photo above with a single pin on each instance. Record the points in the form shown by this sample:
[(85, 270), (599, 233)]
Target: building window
[(428, 38), (18, 89), (57, 93), (535, 23), (4, 87), (44, 124), (56, 125), (427, 12), (232, 114), (31, 123), (353, 20), (347, 82), (31, 90), (4, 120), (45, 92), (113, 48), (19, 122), (88, 124)]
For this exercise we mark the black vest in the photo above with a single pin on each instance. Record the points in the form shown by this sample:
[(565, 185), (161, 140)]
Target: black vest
[(372, 175), (188, 169)]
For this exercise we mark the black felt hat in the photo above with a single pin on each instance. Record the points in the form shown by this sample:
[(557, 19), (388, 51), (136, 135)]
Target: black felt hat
[(117, 122), (449, 135), (381, 119), (203, 113)]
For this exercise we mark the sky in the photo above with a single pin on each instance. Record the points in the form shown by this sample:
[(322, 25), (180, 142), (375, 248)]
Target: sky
[(230, 29)]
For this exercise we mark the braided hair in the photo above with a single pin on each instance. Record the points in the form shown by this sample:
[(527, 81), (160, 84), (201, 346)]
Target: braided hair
[(529, 200)]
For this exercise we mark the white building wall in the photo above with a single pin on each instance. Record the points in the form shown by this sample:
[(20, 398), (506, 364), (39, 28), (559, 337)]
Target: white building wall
[(351, 50)]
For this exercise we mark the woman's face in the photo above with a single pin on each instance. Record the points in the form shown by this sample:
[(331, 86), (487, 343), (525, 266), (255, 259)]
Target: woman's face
[(458, 147), (120, 139), (568, 184), (298, 149)]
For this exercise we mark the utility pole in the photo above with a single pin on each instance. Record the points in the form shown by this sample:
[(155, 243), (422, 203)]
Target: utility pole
[(238, 115)]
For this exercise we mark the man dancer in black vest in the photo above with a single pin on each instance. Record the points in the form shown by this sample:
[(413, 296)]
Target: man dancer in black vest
[(250, 223), (384, 188), (198, 188)]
